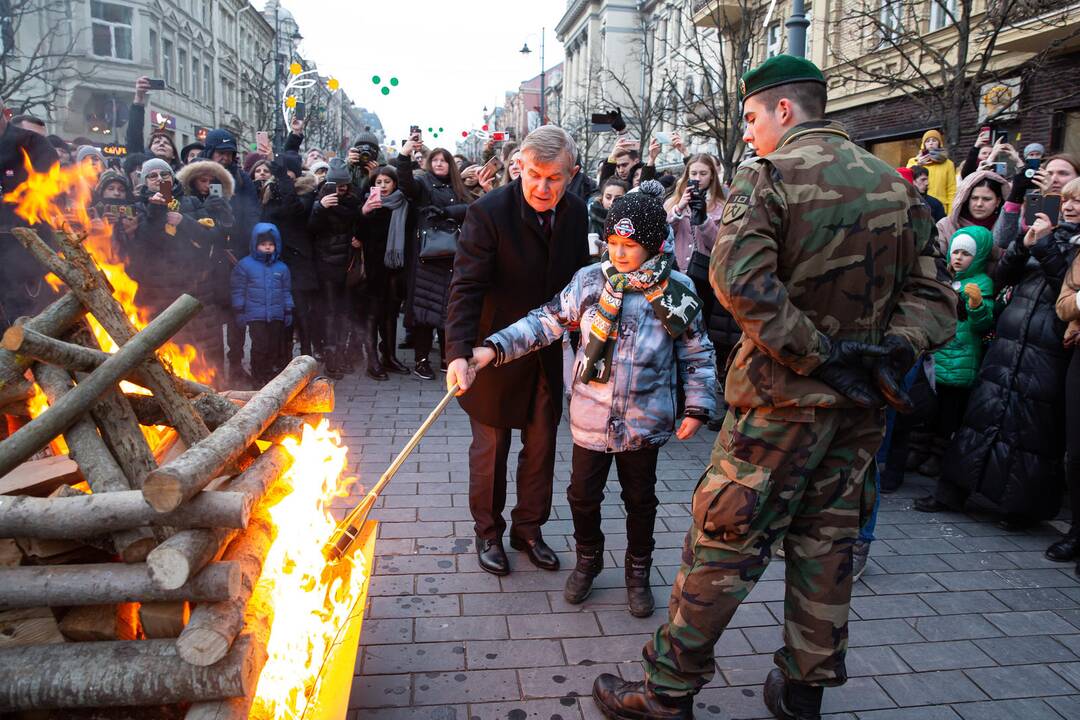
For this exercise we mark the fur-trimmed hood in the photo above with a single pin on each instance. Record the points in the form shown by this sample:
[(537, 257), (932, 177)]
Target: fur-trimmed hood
[(218, 172), (305, 184)]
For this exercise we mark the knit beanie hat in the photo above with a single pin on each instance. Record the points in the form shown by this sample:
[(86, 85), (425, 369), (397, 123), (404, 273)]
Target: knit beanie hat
[(88, 151), (112, 176), (250, 159), (319, 165), (1034, 147), (968, 238), (640, 216), (963, 241), (152, 165), (338, 172)]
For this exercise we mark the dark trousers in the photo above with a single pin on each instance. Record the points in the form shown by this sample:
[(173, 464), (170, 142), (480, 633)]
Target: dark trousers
[(488, 456), (637, 476), (424, 339), (304, 323), (1072, 435), (333, 309), (266, 357)]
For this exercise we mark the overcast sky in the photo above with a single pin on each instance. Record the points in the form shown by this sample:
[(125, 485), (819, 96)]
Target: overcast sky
[(451, 57)]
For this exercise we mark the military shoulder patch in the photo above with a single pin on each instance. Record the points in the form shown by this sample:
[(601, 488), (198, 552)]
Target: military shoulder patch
[(735, 207)]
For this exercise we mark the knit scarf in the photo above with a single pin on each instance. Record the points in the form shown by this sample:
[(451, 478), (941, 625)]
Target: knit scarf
[(394, 258), (674, 304), (938, 156)]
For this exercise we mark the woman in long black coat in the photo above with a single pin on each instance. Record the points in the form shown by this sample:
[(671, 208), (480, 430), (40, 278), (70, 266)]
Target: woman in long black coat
[(1010, 449), (439, 195)]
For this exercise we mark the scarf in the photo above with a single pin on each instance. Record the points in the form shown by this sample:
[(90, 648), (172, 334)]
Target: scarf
[(674, 305), (394, 259), (938, 156)]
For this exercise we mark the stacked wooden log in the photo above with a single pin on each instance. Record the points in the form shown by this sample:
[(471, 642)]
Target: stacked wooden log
[(128, 573)]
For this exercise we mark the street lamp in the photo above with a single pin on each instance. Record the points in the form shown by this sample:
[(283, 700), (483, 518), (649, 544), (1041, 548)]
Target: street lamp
[(526, 51)]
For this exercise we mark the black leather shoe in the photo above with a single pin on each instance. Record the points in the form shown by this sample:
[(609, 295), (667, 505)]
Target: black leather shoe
[(623, 700), (791, 701), (1066, 549), (492, 557), (538, 551), (930, 504), (394, 365), (376, 371)]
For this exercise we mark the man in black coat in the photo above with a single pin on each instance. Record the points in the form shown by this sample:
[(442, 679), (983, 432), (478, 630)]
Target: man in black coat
[(520, 245), (22, 290)]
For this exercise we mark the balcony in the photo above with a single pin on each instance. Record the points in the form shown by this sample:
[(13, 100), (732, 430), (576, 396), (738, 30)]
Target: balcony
[(717, 13)]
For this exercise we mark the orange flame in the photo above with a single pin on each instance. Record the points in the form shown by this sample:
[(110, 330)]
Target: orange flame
[(312, 600), (61, 198)]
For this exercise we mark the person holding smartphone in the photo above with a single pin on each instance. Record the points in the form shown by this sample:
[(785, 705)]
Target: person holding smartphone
[(1048, 179), (935, 157), (161, 143)]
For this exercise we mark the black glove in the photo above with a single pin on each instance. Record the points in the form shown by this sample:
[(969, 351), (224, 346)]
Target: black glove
[(890, 370), (433, 212), (848, 371)]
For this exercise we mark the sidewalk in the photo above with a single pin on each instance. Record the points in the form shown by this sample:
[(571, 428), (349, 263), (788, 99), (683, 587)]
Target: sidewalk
[(954, 618)]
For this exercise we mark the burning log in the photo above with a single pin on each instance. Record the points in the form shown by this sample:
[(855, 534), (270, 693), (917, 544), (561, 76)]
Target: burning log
[(177, 481), (317, 398), (184, 554), (121, 674), (27, 342), (86, 280), (95, 461), (86, 516), (28, 439), (53, 320), (108, 583)]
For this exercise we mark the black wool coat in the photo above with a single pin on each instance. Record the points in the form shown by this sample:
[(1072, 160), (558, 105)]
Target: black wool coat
[(504, 268), (1012, 442)]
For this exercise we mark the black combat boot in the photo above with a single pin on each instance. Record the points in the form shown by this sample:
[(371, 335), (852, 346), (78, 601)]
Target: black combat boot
[(622, 700), (590, 561), (639, 597), (788, 700)]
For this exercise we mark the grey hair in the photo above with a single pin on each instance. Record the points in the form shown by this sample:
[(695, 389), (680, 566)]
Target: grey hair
[(548, 143)]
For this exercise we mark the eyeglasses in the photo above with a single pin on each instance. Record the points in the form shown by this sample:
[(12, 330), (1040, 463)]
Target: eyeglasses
[(156, 176)]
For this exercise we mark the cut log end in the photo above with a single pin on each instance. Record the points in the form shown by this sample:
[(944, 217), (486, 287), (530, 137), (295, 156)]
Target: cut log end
[(202, 646), (169, 568), (13, 338), (163, 491)]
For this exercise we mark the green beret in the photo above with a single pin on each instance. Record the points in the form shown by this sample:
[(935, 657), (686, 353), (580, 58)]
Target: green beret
[(778, 70)]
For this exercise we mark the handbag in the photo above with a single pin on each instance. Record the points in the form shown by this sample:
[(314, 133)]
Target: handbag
[(698, 267), (439, 242), (356, 273)]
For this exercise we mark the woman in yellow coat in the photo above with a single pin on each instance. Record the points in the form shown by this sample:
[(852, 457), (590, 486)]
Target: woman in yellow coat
[(935, 158)]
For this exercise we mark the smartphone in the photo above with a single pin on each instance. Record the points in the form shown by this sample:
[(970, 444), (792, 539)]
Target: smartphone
[(498, 137), (157, 84), (262, 141), (492, 165), (1001, 168), (1031, 166), (999, 135), (215, 190), (165, 188), (662, 137), (300, 111), (331, 188), (414, 133), (1035, 203), (375, 192)]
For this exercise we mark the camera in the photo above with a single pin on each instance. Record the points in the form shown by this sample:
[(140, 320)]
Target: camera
[(605, 122)]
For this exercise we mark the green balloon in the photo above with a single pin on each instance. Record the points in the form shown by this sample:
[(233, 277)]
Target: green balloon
[(435, 135), (394, 81), (430, 130), (440, 129), (375, 79), (386, 91)]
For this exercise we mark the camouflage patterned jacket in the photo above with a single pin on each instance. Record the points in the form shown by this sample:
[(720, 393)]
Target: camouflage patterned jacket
[(820, 239)]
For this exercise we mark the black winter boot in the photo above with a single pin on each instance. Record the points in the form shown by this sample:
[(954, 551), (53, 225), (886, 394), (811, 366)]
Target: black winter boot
[(590, 561), (791, 700), (389, 356), (622, 700), (639, 597), (375, 370)]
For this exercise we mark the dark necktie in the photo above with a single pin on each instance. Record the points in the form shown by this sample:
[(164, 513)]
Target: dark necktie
[(546, 222)]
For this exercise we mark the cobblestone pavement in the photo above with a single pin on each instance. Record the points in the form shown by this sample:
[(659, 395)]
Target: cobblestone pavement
[(954, 617)]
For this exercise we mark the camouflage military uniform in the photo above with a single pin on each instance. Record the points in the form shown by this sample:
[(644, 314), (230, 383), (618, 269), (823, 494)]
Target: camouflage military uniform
[(819, 241)]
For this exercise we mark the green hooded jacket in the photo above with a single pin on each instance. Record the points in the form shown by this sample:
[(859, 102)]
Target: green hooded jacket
[(957, 364)]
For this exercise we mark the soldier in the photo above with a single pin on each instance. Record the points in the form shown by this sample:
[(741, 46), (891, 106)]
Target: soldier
[(827, 260)]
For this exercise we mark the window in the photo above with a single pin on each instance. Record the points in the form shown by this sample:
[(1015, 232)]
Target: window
[(167, 60), (154, 50), (942, 13), (206, 12), (111, 30), (181, 69), (207, 88), (194, 76), (891, 13), (773, 41)]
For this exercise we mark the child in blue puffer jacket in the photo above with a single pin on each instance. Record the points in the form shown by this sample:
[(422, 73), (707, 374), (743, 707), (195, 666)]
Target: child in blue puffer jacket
[(642, 337), (262, 300)]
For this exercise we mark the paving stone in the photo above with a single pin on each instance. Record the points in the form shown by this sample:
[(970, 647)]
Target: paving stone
[(1067, 707), (437, 629), (505, 603), (874, 661), (453, 583), (386, 631), (942, 712), (959, 603), (1035, 599), (862, 633), (385, 585), (856, 695), (890, 606), (1039, 622), (1019, 681), (1007, 710), (561, 709), (561, 681), (466, 686), (1069, 671), (955, 627), (413, 657), (430, 712), (901, 584), (955, 655), (488, 654), (745, 669), (930, 688), (911, 563), (554, 625), (374, 691), (979, 561), (1025, 650), (605, 649), (415, 606)]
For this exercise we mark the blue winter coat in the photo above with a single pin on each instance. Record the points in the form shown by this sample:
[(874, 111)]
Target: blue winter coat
[(635, 409), (261, 284)]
